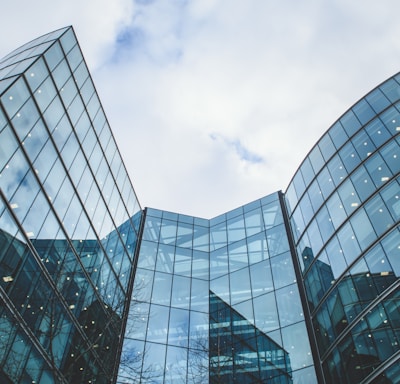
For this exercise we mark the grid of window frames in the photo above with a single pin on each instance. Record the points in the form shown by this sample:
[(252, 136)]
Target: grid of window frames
[(345, 209), (216, 301), (66, 234)]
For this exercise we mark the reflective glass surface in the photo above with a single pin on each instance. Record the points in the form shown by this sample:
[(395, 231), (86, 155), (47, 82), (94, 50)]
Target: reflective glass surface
[(66, 257), (347, 238), (220, 298)]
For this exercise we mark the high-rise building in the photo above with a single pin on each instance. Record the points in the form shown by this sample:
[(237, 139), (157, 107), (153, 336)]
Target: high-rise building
[(67, 221), (298, 287)]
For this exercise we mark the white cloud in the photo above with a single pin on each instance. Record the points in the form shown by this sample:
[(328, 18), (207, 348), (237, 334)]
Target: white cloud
[(268, 76)]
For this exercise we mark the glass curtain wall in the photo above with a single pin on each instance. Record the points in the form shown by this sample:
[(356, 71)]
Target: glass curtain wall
[(345, 208), (67, 239), (216, 301)]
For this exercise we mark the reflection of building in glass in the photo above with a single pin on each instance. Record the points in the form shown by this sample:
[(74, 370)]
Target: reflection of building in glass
[(297, 287), (67, 238), (344, 207), (239, 352), (189, 271)]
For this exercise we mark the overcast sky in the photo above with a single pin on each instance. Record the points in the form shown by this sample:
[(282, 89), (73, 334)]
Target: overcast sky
[(215, 103)]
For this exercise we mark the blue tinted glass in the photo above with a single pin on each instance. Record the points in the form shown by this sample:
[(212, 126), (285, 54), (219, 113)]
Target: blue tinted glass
[(348, 242), (349, 197), (338, 135), (307, 171), (282, 270), (36, 74), (363, 229), (363, 111), (15, 97), (362, 183), (391, 154), (363, 145), (390, 89), (378, 215), (377, 100), (315, 195), (261, 278), (378, 170), (377, 132), (317, 161), (326, 147), (337, 170), (325, 182)]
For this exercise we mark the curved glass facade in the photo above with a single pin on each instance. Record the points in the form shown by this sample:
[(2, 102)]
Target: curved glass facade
[(344, 204), (66, 233)]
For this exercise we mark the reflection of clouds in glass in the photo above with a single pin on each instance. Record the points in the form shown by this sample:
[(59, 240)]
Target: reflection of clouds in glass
[(295, 342)]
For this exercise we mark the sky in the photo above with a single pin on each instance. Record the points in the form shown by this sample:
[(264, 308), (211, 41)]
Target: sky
[(215, 103)]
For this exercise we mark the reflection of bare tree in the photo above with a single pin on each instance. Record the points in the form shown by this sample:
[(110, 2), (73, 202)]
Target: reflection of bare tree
[(134, 352), (198, 360), (235, 351)]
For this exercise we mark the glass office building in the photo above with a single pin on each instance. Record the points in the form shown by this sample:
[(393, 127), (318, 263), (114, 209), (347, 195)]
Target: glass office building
[(299, 287), (344, 203), (217, 300), (67, 221)]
